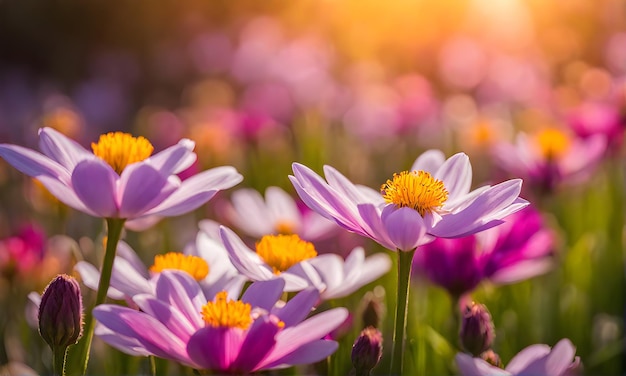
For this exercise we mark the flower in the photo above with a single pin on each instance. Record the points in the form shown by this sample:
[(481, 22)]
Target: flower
[(276, 257), (23, 252), (221, 334), (477, 330), (533, 360), (120, 179), (335, 277), (61, 312), (431, 200), (518, 249), (550, 157), (367, 350), (205, 259), (277, 214)]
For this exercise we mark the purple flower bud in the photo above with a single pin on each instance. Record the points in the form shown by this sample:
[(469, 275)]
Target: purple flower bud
[(477, 330), (367, 350), (61, 312)]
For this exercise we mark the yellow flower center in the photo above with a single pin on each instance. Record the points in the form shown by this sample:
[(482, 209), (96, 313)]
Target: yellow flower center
[(283, 251), (417, 190), (193, 265), (552, 143), (284, 227), (120, 149), (224, 313)]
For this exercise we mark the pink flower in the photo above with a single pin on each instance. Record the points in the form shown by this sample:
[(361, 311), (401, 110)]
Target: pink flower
[(120, 179), (221, 334), (432, 199)]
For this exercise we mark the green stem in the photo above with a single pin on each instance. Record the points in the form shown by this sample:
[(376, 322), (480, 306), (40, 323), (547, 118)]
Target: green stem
[(58, 361), (405, 261), (115, 227)]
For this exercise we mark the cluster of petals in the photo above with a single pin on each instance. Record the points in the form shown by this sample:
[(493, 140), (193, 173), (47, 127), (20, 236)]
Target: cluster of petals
[(333, 276), (169, 325), (131, 277), (364, 211), (518, 249), (533, 360), (87, 183), (524, 158), (277, 213)]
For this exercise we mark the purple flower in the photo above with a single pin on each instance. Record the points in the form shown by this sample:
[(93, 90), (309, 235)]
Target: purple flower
[(550, 157), (518, 249), (119, 179), (277, 214), (221, 334), (533, 360), (432, 199), (61, 312)]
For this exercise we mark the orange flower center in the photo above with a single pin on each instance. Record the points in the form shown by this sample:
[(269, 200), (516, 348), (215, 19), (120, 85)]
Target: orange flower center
[(225, 313), (193, 265), (417, 190), (283, 251), (120, 149), (553, 143)]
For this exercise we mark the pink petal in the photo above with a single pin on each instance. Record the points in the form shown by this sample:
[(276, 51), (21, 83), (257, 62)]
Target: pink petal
[(197, 190), (469, 366), (141, 188), (174, 159), (264, 294), (32, 163), (525, 357), (456, 174), (306, 354), (429, 161), (216, 348), (404, 226), (64, 193), (62, 149), (95, 184)]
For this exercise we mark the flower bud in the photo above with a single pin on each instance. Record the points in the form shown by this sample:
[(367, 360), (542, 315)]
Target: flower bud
[(477, 330), (60, 312), (367, 350), (373, 309)]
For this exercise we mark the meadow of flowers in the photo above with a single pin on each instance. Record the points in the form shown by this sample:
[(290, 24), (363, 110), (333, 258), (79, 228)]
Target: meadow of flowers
[(313, 188)]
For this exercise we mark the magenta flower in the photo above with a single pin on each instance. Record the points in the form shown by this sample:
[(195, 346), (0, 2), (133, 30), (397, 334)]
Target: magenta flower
[(221, 334), (533, 360), (278, 213), (518, 249), (119, 179), (550, 158), (432, 199)]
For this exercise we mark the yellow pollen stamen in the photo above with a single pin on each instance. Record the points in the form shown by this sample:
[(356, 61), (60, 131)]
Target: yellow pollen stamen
[(193, 265), (553, 143), (120, 149), (224, 313), (283, 251), (284, 227), (417, 190)]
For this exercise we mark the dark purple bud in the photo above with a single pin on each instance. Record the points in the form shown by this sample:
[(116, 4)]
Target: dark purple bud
[(61, 312), (477, 330), (367, 350)]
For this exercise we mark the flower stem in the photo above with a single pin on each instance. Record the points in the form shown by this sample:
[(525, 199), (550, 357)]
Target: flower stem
[(115, 227), (405, 262), (58, 361)]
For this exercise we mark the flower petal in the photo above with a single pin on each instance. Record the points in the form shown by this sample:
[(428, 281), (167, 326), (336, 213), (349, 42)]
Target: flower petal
[(456, 174), (168, 315), (175, 158), (62, 149), (32, 163), (258, 343), (264, 294), (429, 161), (90, 277), (64, 193), (306, 354), (216, 348), (298, 307), (404, 226), (142, 187), (197, 190), (181, 291), (525, 357), (128, 345), (243, 258), (282, 206), (95, 184), (250, 213)]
